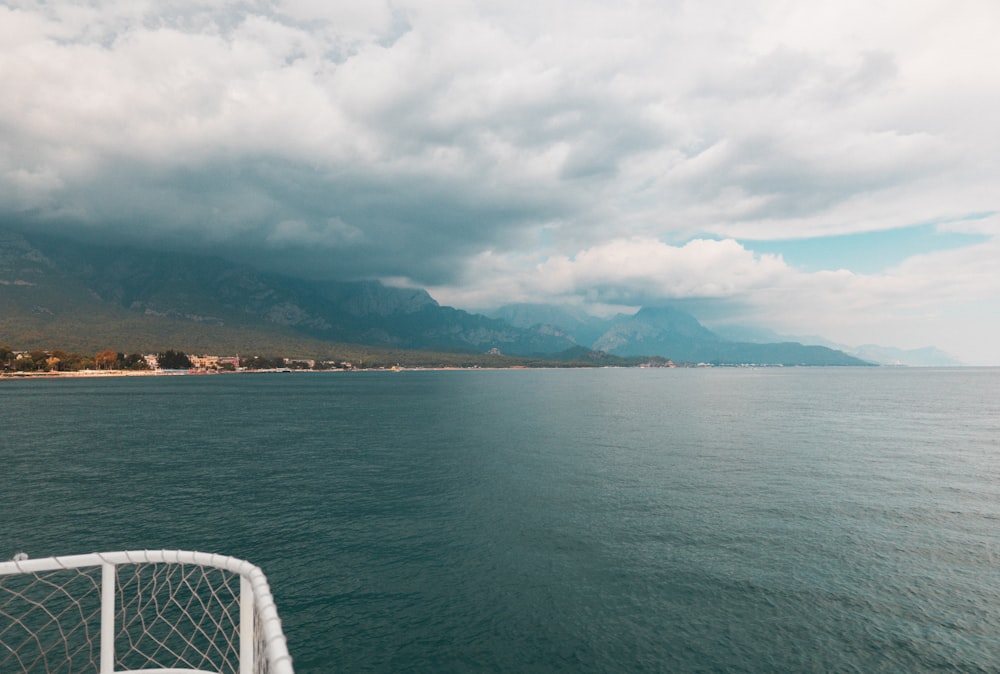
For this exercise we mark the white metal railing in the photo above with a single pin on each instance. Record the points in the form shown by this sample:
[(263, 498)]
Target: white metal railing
[(163, 611)]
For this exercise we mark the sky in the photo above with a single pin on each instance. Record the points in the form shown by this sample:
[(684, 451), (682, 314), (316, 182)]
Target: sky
[(809, 167)]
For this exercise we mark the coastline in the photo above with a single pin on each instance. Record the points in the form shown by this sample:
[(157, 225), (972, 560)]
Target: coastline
[(91, 373), (103, 374)]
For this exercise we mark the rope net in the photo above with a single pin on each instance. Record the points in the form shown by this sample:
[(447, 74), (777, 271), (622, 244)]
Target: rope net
[(51, 621), (178, 615), (167, 615)]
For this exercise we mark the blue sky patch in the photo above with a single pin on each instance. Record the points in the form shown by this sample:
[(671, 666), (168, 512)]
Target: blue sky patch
[(867, 252)]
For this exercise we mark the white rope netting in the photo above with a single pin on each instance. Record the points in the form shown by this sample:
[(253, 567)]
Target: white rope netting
[(168, 610), (50, 621), (178, 615)]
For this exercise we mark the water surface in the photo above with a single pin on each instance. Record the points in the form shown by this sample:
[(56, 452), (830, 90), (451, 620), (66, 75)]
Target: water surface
[(806, 519)]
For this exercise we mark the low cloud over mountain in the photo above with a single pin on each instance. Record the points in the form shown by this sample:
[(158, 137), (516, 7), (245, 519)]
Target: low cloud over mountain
[(56, 292)]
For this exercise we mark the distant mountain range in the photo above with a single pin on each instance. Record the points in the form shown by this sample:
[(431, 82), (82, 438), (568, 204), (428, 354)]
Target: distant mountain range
[(57, 293), (672, 333), (927, 356)]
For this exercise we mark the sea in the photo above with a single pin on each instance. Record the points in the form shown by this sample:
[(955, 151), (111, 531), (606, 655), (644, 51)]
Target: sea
[(591, 520)]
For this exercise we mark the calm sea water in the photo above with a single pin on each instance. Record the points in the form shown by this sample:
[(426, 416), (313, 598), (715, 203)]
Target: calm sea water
[(721, 520)]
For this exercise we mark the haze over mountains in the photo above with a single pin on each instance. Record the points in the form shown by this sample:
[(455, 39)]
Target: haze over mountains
[(58, 293), (667, 330), (664, 327), (927, 356)]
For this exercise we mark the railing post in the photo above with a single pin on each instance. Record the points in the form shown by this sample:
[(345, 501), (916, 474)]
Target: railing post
[(108, 583), (247, 650)]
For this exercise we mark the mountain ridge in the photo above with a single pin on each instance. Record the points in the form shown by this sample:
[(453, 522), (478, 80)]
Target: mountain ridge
[(926, 356), (46, 283), (674, 333), (54, 289)]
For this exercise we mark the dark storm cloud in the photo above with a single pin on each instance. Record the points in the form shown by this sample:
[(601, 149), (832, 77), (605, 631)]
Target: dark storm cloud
[(498, 150)]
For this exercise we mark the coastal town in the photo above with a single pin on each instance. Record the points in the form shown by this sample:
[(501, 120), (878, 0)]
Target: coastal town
[(44, 363), (107, 363)]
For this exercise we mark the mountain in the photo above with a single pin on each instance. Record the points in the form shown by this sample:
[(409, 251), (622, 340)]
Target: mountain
[(759, 335), (673, 333), (60, 293), (584, 328), (927, 356), (56, 293), (666, 330), (658, 330)]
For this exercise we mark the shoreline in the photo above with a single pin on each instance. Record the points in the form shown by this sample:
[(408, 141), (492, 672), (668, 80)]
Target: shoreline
[(102, 374), (89, 374)]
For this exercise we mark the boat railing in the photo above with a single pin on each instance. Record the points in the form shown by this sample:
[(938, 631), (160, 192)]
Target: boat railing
[(163, 611)]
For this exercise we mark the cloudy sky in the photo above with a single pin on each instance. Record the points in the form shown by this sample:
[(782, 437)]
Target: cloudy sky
[(813, 167)]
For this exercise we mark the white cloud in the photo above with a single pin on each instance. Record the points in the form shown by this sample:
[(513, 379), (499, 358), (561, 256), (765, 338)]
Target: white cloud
[(911, 305), (559, 149), (620, 271)]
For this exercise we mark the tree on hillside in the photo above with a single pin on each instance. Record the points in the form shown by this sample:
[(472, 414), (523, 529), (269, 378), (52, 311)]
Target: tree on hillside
[(173, 360)]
